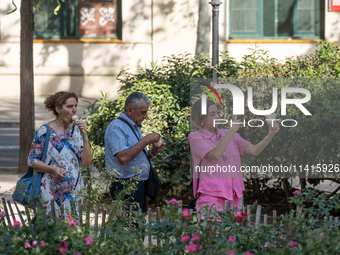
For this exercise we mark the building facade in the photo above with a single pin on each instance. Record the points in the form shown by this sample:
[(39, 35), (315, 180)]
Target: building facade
[(89, 42)]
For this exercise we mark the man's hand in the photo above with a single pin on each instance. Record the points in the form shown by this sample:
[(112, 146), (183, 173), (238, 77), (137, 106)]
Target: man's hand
[(155, 150), (152, 138), (127, 155)]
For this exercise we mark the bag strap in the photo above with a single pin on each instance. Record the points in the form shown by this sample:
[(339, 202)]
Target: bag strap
[(47, 140), (198, 179), (44, 154), (127, 123)]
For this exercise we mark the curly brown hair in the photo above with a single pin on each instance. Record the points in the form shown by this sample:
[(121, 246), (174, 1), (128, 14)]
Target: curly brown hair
[(58, 99)]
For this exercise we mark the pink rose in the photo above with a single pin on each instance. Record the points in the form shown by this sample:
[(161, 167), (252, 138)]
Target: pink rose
[(239, 219), (243, 214), (16, 223), (2, 213), (63, 248), (296, 192), (35, 243), (292, 243), (72, 223), (186, 213), (269, 245), (174, 201), (78, 253), (185, 238), (193, 247), (232, 238), (27, 245), (88, 240), (248, 253), (230, 252), (195, 238), (42, 243)]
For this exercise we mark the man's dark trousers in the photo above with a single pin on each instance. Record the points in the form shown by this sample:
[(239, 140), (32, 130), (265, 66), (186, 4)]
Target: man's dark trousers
[(138, 196)]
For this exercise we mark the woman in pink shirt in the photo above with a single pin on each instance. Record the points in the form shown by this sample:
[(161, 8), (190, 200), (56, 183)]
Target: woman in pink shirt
[(217, 162)]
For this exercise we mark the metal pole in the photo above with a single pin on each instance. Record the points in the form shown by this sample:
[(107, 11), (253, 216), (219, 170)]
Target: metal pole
[(276, 17), (215, 37)]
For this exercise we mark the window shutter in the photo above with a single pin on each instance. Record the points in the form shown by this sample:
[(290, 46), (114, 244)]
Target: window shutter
[(305, 21), (245, 18), (46, 24), (79, 19)]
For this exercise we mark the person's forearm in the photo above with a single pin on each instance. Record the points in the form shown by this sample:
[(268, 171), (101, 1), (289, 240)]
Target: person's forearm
[(127, 155), (217, 152), (87, 156), (43, 168), (259, 147)]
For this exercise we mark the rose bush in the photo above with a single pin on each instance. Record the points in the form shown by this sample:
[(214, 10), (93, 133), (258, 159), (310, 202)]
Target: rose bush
[(179, 232)]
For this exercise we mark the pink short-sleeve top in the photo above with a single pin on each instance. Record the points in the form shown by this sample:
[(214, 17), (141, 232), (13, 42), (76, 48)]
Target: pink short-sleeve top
[(222, 177)]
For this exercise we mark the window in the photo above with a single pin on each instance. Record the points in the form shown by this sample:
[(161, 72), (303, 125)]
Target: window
[(271, 19), (79, 19)]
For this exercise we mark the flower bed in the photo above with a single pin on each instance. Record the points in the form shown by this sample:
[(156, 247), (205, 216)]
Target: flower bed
[(181, 232)]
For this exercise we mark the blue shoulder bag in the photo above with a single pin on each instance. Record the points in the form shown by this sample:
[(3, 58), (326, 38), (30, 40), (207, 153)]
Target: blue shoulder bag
[(28, 187)]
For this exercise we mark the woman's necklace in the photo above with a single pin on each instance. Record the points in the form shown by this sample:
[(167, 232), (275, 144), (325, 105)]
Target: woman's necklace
[(62, 127)]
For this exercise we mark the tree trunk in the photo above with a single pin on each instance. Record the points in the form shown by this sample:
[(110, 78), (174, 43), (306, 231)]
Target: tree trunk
[(203, 28), (26, 82)]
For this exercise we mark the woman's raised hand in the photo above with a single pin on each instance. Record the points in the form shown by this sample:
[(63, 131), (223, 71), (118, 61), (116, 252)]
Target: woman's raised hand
[(82, 127), (273, 128)]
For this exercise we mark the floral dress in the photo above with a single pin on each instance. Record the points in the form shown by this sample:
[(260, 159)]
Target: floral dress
[(64, 151)]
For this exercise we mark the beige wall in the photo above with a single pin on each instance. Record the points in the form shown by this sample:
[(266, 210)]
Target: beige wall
[(151, 29), (275, 50), (174, 27)]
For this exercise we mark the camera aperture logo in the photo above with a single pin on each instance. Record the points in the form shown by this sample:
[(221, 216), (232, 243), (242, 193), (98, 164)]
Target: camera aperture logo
[(204, 101), (238, 104)]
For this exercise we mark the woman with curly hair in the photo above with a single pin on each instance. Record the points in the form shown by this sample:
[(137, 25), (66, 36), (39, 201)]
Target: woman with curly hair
[(68, 150)]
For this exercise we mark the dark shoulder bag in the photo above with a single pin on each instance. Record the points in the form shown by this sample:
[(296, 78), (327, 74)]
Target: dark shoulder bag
[(153, 184), (29, 183), (192, 203)]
